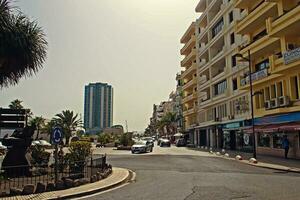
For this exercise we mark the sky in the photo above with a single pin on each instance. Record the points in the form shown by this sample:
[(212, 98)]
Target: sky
[(134, 45)]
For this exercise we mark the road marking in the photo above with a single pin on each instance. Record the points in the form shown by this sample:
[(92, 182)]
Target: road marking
[(132, 180)]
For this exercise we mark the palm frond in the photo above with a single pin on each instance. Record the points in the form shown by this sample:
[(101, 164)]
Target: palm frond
[(23, 47)]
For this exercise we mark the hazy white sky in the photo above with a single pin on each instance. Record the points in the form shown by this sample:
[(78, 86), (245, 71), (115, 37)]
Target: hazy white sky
[(131, 44)]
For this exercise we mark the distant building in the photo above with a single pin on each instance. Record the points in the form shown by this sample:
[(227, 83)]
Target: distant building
[(116, 130), (98, 107)]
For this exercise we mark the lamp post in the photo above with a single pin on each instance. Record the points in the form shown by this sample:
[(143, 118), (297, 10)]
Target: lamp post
[(248, 59)]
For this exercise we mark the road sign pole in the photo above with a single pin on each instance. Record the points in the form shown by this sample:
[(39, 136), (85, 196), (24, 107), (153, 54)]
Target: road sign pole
[(56, 163), (56, 139)]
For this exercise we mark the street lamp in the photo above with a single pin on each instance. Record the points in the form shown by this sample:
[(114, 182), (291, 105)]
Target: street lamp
[(248, 59)]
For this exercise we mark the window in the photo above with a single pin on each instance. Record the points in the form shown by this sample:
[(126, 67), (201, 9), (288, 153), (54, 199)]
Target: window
[(232, 38), (264, 140), (294, 87), (217, 28), (277, 140), (260, 35), (220, 87), (273, 91), (233, 61), (234, 84), (230, 17), (267, 93), (279, 89), (262, 65)]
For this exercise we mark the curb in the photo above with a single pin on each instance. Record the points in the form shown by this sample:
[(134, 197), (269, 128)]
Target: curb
[(262, 165), (130, 177)]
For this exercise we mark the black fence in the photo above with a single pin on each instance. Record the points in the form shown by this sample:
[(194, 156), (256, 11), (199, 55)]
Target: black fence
[(47, 174)]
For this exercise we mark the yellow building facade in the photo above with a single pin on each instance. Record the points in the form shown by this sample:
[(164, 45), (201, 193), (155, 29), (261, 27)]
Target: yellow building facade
[(271, 36), (189, 77)]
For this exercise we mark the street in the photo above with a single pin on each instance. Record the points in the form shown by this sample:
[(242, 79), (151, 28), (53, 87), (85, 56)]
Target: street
[(178, 173)]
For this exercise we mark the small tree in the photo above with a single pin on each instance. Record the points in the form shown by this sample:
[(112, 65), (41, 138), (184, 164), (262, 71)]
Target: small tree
[(79, 152), (126, 139), (38, 123), (69, 122)]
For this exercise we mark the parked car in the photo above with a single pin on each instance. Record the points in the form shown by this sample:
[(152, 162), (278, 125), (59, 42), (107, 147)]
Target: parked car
[(165, 143), (141, 147), (180, 142), (43, 143), (2, 147), (149, 140)]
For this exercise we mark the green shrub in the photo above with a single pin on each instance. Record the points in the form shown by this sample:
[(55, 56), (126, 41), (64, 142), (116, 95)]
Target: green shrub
[(79, 152), (126, 139), (40, 157)]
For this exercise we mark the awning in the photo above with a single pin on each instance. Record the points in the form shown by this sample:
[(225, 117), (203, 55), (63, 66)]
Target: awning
[(263, 129), (290, 127)]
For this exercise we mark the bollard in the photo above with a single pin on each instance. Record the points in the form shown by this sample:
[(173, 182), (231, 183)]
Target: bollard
[(238, 157), (253, 160)]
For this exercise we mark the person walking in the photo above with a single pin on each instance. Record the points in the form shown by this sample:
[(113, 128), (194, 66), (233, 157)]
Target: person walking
[(286, 146)]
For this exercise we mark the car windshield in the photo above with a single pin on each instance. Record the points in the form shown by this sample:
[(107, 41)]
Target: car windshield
[(140, 142)]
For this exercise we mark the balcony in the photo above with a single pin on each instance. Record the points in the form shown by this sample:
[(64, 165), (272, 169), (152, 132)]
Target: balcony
[(190, 111), (286, 25), (189, 71), (256, 18), (189, 32), (189, 58), (202, 63), (189, 84), (189, 98), (262, 46), (255, 77), (244, 4), (202, 80), (188, 46)]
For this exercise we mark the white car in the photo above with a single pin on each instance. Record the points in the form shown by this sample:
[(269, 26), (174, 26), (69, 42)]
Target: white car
[(2, 146), (43, 143), (141, 147)]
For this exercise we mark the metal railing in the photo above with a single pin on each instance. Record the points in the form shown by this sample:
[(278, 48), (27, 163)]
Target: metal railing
[(46, 174)]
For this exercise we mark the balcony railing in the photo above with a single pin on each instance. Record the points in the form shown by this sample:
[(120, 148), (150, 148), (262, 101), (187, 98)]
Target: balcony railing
[(255, 76)]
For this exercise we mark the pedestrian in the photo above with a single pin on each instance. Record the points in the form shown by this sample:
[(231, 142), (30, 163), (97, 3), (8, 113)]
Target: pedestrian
[(286, 146)]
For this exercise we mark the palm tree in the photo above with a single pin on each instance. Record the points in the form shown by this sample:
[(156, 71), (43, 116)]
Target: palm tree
[(16, 104), (69, 122), (38, 123), (23, 45)]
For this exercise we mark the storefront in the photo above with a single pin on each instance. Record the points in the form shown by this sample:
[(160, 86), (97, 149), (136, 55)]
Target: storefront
[(270, 132), (236, 138)]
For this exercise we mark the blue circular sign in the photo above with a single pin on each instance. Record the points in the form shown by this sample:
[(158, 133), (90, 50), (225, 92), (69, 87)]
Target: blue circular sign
[(57, 135)]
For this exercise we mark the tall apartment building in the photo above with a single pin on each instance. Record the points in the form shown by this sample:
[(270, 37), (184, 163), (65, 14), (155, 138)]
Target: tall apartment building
[(189, 78), (271, 29), (98, 107), (223, 109)]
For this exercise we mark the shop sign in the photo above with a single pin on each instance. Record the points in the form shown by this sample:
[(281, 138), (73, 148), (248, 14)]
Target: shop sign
[(246, 139), (291, 56)]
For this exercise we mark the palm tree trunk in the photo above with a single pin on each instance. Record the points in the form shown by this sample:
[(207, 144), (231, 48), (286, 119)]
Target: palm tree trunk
[(37, 134)]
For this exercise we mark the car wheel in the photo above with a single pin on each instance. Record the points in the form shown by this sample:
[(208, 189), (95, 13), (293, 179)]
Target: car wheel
[(132, 152)]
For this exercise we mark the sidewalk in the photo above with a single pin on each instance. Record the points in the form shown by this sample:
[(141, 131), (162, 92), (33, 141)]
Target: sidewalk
[(119, 176), (277, 163)]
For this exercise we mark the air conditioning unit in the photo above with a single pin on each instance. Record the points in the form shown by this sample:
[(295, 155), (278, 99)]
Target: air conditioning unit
[(274, 103), (284, 101), (267, 105)]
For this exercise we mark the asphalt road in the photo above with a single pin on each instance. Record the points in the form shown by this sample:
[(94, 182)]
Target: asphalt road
[(179, 173)]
